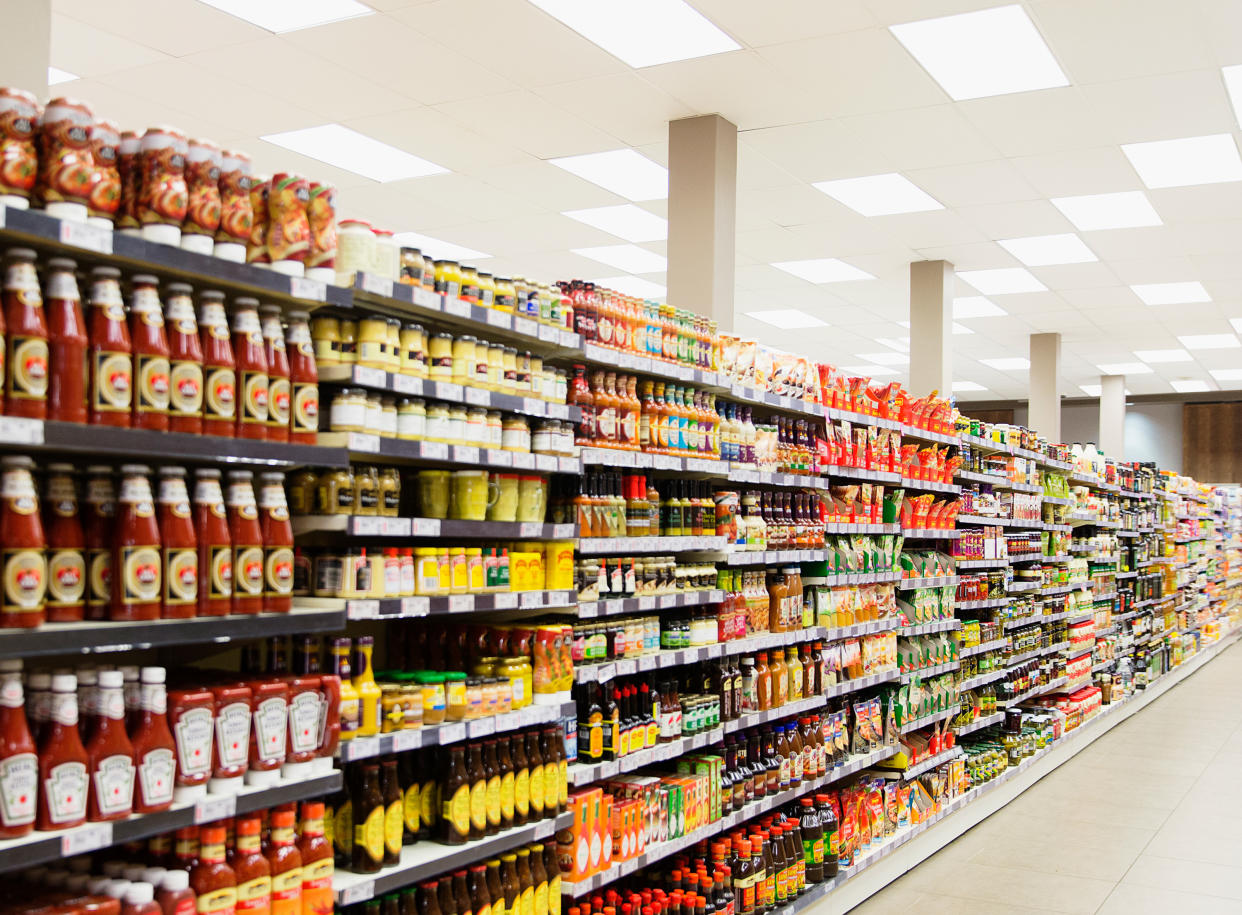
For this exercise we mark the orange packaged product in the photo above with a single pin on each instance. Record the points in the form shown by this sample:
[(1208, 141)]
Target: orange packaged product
[(105, 188), (65, 163), (574, 842), (236, 215), (288, 232), (162, 195), (202, 176), (603, 833), (256, 242), (131, 179), (19, 158), (321, 214)]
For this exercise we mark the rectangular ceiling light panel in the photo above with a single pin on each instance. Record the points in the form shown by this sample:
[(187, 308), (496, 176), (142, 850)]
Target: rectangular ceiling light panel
[(1171, 293), (1003, 280), (627, 221), (1122, 210), (824, 270), (1227, 374), (1185, 162), (1190, 385), (642, 33), (623, 171), (290, 15), (990, 52), (629, 258), (1156, 356), (786, 318), (354, 152), (1046, 250), (880, 195)]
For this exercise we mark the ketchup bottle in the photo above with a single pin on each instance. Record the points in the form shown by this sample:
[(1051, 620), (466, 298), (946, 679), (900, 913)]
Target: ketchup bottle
[(27, 359), (151, 365), (185, 361), (111, 362), (154, 749), (180, 546), (111, 754), (66, 547), (303, 380), (219, 367), (19, 764), (21, 535), (66, 393), (247, 536), (99, 523), (252, 376), (63, 785), (278, 374), (137, 565), (277, 535), (215, 546)]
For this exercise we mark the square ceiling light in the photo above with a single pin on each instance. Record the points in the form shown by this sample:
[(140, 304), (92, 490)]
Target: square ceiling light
[(1210, 341), (1008, 363), (1091, 390), (1003, 280), (354, 152), (290, 15), (1046, 250), (642, 33), (622, 171), (626, 221), (880, 195), (884, 358), (1122, 210), (438, 249), (1188, 161), (786, 318), (633, 285), (56, 76), (824, 270), (989, 52), (1155, 356), (1190, 385), (962, 387), (1171, 293), (1227, 374), (976, 306), (629, 258), (1125, 368), (872, 371)]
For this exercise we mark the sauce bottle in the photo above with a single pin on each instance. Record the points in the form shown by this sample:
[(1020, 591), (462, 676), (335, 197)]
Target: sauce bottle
[(494, 888), (250, 867), (190, 720), (269, 716), (491, 768), (185, 361), (180, 546), (303, 380), (277, 534), (137, 586), (278, 383), (63, 783), (317, 864), (478, 789), (215, 546), (19, 764), (368, 807), (219, 367), (476, 889), (349, 705), (510, 884), (213, 881), (232, 730), (534, 759), (111, 754), (521, 781), (394, 811), (246, 534), (365, 686), (151, 362), (526, 882), (252, 374), (455, 799), (27, 358), (304, 725), (21, 534), (66, 556), (539, 877), (286, 864), (552, 866), (154, 749), (111, 359), (140, 900), (175, 896), (99, 522), (66, 393)]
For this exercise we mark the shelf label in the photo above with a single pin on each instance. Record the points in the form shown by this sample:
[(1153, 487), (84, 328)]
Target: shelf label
[(377, 285), (451, 733), (210, 809), (605, 672), (460, 603), (523, 459), (525, 326), (499, 458), (434, 451), (482, 727), (531, 598), (466, 454), (363, 441), (568, 465), (359, 892), (546, 462), (425, 527), (425, 298), (311, 290), (362, 609), (558, 410), (505, 600), (415, 606), (646, 603), (549, 334), (372, 377), (530, 529), (406, 740), (456, 306), (533, 406), (85, 838), (362, 747), (557, 599), (85, 235), (404, 384), (478, 397), (365, 526), (499, 319), (447, 390), (21, 431)]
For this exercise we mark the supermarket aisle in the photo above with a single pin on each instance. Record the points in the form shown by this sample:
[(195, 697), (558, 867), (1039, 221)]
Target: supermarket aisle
[(1144, 820)]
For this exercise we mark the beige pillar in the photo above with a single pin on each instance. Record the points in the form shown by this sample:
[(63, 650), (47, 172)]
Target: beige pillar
[(1044, 397), (1113, 416), (25, 44), (931, 327), (702, 205)]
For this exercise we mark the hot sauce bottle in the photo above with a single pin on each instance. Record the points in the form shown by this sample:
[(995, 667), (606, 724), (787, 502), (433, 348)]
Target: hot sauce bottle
[(66, 557), (150, 346), (219, 367), (247, 537), (251, 867), (111, 359), (317, 863), (215, 546), (277, 535), (180, 546), (252, 376), (154, 748), (21, 534), (303, 380), (27, 359), (278, 382), (185, 361), (111, 754), (212, 880), (66, 393), (19, 764), (98, 524), (137, 580), (63, 783), (286, 864)]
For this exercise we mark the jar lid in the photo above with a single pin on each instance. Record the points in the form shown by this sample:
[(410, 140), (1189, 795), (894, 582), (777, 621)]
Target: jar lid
[(429, 676), (454, 676)]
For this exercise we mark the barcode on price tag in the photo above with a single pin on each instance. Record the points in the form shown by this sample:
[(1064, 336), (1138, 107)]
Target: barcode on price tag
[(377, 285), (86, 838), (210, 809), (506, 600), (84, 235), (359, 892), (406, 740), (425, 298), (466, 454)]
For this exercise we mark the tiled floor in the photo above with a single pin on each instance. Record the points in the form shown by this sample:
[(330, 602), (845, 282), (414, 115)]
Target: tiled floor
[(1145, 820)]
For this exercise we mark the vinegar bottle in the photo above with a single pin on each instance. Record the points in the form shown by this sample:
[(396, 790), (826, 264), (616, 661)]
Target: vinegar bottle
[(66, 393)]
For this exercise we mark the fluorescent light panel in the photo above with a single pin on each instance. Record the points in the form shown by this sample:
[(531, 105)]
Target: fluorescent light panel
[(1190, 385), (1227, 374), (629, 258), (1122, 210), (1003, 281), (873, 371), (1008, 363), (884, 358), (1125, 368), (1156, 356), (642, 33), (1210, 341), (56, 76), (976, 306), (622, 171), (786, 318), (961, 387), (1171, 293), (1047, 250), (1188, 161), (437, 248), (633, 285), (626, 221), (880, 195), (290, 15), (354, 152), (1233, 82), (824, 270), (990, 52)]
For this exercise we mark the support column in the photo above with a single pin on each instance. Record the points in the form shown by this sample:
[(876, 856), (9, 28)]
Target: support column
[(25, 44), (1113, 416), (931, 327), (1044, 399), (702, 209)]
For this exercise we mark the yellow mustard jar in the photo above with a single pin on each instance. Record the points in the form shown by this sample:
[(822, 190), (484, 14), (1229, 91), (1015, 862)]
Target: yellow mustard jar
[(413, 359), (487, 290), (373, 342), (448, 278), (326, 336)]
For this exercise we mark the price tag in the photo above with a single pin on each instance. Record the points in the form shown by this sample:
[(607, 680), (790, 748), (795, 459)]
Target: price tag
[(21, 431), (546, 462), (363, 441), (362, 609), (425, 298), (568, 465), (85, 838), (505, 600), (668, 600), (530, 529), (549, 334), (404, 384), (377, 285), (447, 390), (482, 727), (460, 603), (626, 667), (84, 235), (531, 598), (425, 527), (646, 603), (451, 733), (406, 740), (558, 599), (533, 406), (397, 527), (415, 606), (523, 459), (372, 377), (525, 326), (498, 458), (366, 526), (478, 397), (568, 339), (312, 290), (210, 809), (605, 672), (434, 451), (646, 662), (499, 319), (359, 892), (456, 306), (665, 462), (558, 410), (466, 454), (362, 747)]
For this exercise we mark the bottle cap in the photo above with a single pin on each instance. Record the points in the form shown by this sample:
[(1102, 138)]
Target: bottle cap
[(139, 893)]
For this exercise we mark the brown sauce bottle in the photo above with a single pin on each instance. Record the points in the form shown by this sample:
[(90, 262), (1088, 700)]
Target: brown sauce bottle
[(491, 768), (455, 799), (368, 818), (535, 760), (521, 782), (444, 894), (494, 888), (428, 904), (394, 811), (505, 761), (476, 885), (526, 881), (461, 894), (478, 789), (509, 883)]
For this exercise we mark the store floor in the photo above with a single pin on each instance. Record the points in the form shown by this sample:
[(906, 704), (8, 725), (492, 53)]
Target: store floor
[(1143, 820)]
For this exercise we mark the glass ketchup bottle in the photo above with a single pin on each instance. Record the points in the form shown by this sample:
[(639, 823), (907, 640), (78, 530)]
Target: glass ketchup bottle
[(27, 359), (21, 536), (66, 393), (180, 546), (278, 384), (63, 785), (303, 380), (219, 367), (154, 749), (136, 560), (66, 547), (215, 546), (19, 764), (111, 355), (150, 346), (252, 376), (111, 765), (247, 536), (277, 534), (98, 523), (185, 361)]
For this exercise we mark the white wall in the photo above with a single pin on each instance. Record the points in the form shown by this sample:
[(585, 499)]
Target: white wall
[(1153, 430)]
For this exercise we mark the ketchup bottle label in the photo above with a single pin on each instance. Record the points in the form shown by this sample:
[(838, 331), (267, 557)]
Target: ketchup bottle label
[(220, 394), (193, 737), (233, 734), (142, 573), (269, 727), (278, 401), (114, 784), (19, 789), (248, 570), (156, 773), (28, 368), (304, 722), (278, 571), (113, 389), (254, 386), (66, 577), (154, 383), (185, 388), (100, 576), (180, 576), (25, 581), (221, 572), (65, 790), (305, 408)]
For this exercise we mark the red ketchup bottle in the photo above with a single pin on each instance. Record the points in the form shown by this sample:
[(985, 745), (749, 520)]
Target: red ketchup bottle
[(66, 393), (27, 361), (277, 535), (111, 354), (219, 367), (215, 546), (303, 380), (278, 389), (137, 563), (111, 754), (180, 546), (185, 361), (252, 376), (154, 748), (247, 536), (150, 345)]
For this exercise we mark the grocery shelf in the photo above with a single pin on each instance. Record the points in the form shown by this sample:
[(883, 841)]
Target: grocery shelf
[(608, 546), (932, 670), (776, 478), (996, 481), (860, 527), (643, 460), (926, 435), (1059, 500), (980, 679), (107, 637), (994, 645), (983, 721), (930, 533), (852, 686), (453, 732), (999, 522), (982, 604), (930, 486), (1079, 650), (619, 605), (1034, 691), (931, 762), (1133, 574), (379, 526), (365, 446), (930, 626), (862, 419), (1103, 665), (866, 475), (1024, 621), (581, 774), (370, 608), (772, 557), (996, 563), (861, 578), (788, 710), (916, 723), (1022, 587), (930, 581)]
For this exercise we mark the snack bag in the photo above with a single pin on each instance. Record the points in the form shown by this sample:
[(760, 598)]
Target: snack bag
[(288, 233)]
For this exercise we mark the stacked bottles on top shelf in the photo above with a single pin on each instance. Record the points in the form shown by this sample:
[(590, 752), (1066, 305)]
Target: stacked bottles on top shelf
[(668, 419), (108, 368), (647, 328)]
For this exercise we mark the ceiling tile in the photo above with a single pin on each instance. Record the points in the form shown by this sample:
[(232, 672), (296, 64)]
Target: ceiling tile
[(1164, 107), (785, 20), (1033, 123), (91, 51), (622, 104), (533, 124), (1016, 220), (936, 228), (1080, 171), (816, 151), (920, 137), (173, 27), (974, 184), (740, 86), (1075, 276), (1127, 244)]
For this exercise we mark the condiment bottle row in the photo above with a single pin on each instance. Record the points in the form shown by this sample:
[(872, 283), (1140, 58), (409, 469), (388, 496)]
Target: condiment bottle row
[(618, 577), (668, 419), (629, 324)]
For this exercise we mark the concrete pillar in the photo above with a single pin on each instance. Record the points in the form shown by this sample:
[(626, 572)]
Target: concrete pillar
[(25, 44), (931, 328), (702, 211), (1113, 416), (1044, 399)]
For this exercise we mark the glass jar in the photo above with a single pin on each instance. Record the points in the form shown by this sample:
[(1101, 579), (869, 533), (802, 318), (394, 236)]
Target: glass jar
[(511, 671), (375, 414), (373, 342), (387, 257), (515, 434), (440, 357), (544, 440), (463, 359), (388, 417), (487, 290), (413, 356), (412, 266), (349, 342), (455, 695), (412, 693), (536, 376), (476, 427), (437, 422), (348, 412), (392, 351), (411, 419), (508, 381), (435, 699), (495, 429), (447, 278), (475, 699), (326, 337), (355, 249), (495, 366), (457, 424), (521, 380)]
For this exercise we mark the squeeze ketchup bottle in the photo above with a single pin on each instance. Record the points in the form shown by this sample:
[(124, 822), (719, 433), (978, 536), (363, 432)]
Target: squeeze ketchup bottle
[(63, 783), (154, 749), (111, 754), (19, 764)]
